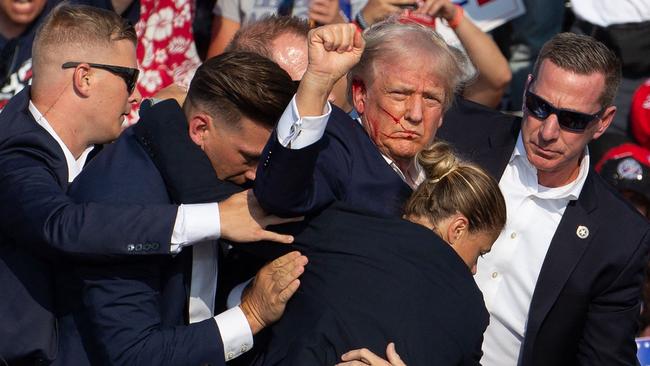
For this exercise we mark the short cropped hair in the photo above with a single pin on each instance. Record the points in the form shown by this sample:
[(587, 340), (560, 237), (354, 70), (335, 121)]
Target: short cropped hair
[(234, 84), (456, 186), (391, 41), (81, 26), (583, 55), (258, 36)]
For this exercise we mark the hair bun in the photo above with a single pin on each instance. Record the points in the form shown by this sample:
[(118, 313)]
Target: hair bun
[(438, 161)]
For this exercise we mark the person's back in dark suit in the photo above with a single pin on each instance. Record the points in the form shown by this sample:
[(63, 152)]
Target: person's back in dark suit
[(372, 280)]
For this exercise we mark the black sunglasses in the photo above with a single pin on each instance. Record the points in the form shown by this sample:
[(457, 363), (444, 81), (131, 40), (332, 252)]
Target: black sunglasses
[(129, 75), (568, 119)]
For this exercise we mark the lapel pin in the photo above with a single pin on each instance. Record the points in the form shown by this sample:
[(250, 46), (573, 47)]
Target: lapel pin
[(582, 232)]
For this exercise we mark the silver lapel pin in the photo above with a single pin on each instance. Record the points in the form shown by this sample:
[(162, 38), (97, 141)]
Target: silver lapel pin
[(582, 232)]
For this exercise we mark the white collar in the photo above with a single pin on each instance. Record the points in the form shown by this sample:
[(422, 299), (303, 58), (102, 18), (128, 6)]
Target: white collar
[(569, 191), (74, 165)]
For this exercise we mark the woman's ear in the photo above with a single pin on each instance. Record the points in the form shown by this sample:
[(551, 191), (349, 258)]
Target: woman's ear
[(458, 227), (199, 125)]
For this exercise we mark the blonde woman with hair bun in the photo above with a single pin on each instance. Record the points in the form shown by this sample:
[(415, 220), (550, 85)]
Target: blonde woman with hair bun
[(374, 280)]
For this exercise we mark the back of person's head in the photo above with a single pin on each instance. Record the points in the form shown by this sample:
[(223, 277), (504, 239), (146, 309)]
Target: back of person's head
[(583, 55), (454, 186), (392, 42), (258, 36), (240, 83), (78, 31)]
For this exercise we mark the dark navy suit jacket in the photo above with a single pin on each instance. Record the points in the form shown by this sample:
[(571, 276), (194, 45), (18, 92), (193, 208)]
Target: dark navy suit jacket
[(38, 222), (585, 305), (372, 280), (138, 308), (344, 165)]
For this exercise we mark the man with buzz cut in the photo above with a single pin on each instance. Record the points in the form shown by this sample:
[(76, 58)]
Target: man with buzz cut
[(84, 74)]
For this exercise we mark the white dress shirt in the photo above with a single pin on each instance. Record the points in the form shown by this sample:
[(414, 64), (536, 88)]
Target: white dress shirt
[(508, 274), (608, 12), (297, 132), (195, 222)]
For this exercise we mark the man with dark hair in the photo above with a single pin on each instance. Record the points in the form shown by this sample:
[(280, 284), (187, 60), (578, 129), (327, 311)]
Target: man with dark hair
[(231, 107), (564, 290), (83, 84)]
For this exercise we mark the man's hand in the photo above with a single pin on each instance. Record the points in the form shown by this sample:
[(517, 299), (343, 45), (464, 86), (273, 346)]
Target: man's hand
[(243, 220), (378, 10), (265, 300), (437, 8), (333, 50), (364, 357), (172, 91), (325, 12)]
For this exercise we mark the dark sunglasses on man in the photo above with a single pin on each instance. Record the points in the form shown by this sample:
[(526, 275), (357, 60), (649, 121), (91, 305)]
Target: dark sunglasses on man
[(129, 75), (568, 119)]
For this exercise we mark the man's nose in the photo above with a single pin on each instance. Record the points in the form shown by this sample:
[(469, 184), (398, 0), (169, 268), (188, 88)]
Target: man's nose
[(249, 174), (414, 109), (550, 129)]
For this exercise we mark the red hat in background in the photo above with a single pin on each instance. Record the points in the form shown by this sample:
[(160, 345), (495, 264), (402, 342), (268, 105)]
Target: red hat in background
[(640, 114), (627, 167)]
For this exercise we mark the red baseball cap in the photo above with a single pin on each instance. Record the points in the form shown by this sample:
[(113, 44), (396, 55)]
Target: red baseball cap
[(640, 114), (627, 167)]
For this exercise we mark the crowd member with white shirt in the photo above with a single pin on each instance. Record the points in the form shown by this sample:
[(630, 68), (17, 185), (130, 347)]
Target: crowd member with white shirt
[(83, 85), (624, 27), (562, 283)]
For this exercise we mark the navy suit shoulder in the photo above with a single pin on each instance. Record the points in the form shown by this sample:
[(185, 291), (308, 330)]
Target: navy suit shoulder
[(150, 326), (344, 165), (374, 279)]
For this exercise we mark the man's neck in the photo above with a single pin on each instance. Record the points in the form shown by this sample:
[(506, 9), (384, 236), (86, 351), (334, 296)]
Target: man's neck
[(65, 127), (558, 179)]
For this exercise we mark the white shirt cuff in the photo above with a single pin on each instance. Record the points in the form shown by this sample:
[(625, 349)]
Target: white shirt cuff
[(194, 223), (235, 332), (234, 297), (295, 132)]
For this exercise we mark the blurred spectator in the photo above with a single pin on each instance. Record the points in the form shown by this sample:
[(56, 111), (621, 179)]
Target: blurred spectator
[(230, 15), (640, 115), (524, 37), (626, 167), (166, 51), (493, 73), (624, 27), (18, 23)]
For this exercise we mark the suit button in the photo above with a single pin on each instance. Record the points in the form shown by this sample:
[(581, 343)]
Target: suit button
[(138, 247), (130, 247)]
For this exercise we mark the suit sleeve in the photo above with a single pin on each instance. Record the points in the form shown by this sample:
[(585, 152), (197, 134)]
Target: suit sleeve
[(294, 182), (37, 212), (124, 307), (611, 322)]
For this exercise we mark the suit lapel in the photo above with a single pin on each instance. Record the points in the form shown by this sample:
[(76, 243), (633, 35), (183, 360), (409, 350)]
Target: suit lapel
[(496, 156), (565, 251)]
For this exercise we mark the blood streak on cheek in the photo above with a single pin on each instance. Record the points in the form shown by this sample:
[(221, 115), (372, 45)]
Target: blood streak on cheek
[(396, 120)]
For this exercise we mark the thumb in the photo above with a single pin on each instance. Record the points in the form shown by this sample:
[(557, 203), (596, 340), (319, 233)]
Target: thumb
[(392, 355)]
